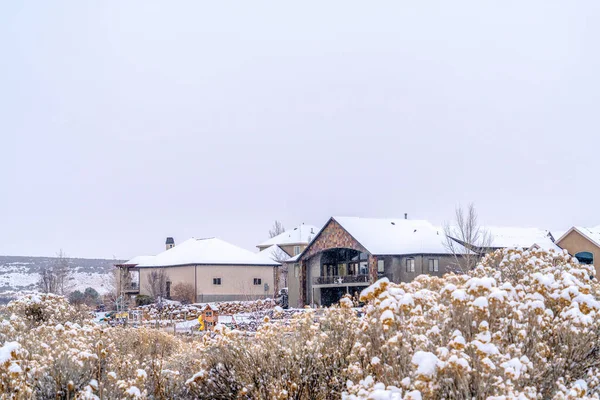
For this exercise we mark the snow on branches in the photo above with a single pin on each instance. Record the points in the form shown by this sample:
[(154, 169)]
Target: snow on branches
[(522, 324)]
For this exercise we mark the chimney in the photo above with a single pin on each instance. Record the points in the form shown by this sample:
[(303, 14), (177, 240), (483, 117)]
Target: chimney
[(405, 215), (170, 243)]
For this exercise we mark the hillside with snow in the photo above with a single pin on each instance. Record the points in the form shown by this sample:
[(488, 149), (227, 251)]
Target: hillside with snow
[(19, 273)]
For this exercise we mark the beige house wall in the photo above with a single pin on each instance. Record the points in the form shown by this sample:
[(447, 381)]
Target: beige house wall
[(237, 281), (289, 249), (293, 284), (575, 243)]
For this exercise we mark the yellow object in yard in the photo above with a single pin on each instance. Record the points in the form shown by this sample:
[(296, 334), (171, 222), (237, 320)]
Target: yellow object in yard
[(122, 315), (201, 322)]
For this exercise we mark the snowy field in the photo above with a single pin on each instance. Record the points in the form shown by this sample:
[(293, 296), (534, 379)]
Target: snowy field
[(21, 274)]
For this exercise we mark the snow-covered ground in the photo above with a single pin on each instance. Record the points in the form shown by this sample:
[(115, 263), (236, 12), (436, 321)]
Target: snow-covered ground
[(22, 273)]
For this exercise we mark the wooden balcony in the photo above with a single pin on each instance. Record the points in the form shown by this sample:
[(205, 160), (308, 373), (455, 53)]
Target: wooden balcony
[(131, 288)]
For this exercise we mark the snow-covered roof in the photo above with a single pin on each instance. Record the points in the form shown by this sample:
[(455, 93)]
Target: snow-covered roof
[(547, 245), (382, 236), (293, 259), (504, 236), (212, 306), (592, 234), (211, 251), (274, 253), (139, 260), (302, 234)]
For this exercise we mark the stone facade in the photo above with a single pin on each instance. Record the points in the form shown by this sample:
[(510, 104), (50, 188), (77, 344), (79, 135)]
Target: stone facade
[(372, 268), (332, 236)]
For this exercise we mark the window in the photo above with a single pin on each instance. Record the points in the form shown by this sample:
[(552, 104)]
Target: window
[(257, 281), (585, 257), (216, 281), (296, 250), (168, 291), (296, 270), (380, 266), (434, 265), (209, 313), (364, 268), (410, 265)]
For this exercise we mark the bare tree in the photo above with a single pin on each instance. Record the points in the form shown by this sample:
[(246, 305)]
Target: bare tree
[(279, 272), (157, 283), (277, 229), (465, 239), (278, 255), (54, 278)]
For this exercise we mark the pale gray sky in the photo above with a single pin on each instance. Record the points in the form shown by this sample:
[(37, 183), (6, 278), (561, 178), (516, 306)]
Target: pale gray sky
[(124, 122)]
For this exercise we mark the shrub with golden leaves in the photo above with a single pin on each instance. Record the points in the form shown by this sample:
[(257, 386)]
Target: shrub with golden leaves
[(523, 324)]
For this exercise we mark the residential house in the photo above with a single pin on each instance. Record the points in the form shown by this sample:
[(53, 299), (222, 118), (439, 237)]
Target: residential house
[(292, 241), (282, 247), (350, 253), (582, 243), (219, 271)]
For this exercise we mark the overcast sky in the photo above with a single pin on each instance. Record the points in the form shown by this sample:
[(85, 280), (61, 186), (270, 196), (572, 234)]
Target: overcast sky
[(122, 123)]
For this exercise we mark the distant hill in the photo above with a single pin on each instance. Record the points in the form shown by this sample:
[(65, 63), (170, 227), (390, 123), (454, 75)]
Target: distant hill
[(19, 273)]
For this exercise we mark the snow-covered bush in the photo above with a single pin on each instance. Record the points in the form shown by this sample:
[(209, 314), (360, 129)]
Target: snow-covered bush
[(523, 324), (304, 359), (51, 357), (46, 308)]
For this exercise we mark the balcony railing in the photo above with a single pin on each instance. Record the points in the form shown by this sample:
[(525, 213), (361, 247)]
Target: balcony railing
[(132, 287), (340, 280)]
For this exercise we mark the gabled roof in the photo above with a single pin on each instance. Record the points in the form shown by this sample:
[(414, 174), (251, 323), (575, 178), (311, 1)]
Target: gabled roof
[(293, 259), (302, 234), (210, 306), (547, 245), (274, 253), (388, 236), (592, 234), (211, 251)]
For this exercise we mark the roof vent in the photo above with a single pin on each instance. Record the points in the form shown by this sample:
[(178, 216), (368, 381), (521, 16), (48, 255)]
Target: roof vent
[(414, 231), (405, 215), (393, 223), (312, 230)]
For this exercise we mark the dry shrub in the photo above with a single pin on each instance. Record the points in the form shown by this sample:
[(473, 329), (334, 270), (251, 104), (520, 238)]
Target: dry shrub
[(183, 292), (46, 308), (54, 358), (521, 325), (302, 360)]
